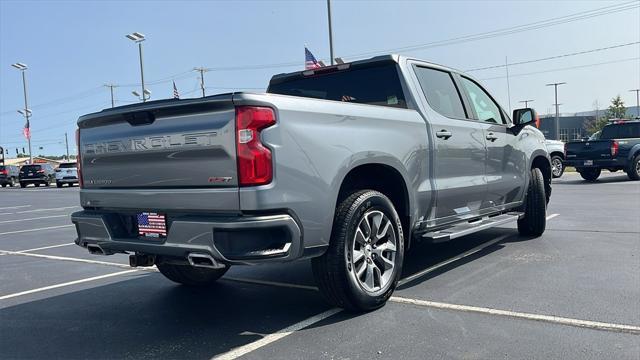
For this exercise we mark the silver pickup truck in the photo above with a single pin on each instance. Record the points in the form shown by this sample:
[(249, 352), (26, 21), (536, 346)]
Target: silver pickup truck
[(346, 165)]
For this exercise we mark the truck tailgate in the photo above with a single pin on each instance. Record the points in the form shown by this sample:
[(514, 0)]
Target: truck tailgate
[(589, 150), (171, 146)]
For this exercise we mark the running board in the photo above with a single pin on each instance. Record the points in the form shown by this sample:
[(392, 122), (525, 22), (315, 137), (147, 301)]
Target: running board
[(471, 227)]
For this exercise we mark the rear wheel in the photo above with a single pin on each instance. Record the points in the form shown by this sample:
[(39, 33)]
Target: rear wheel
[(58, 184), (190, 275), (362, 266), (634, 168), (23, 185), (590, 174), (557, 166), (534, 221)]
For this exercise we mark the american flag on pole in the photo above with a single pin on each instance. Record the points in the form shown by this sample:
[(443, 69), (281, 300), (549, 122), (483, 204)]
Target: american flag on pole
[(310, 61), (152, 224), (176, 94), (27, 131)]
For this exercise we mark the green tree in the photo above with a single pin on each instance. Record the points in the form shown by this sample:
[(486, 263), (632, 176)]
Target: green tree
[(616, 110)]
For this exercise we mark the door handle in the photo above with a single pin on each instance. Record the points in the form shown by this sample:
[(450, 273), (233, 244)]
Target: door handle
[(444, 134), (492, 137)]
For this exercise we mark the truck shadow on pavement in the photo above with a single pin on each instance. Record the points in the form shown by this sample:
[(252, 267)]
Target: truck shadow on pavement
[(150, 317)]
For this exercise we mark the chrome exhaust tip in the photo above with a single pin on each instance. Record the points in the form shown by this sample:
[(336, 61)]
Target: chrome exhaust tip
[(95, 249), (204, 260)]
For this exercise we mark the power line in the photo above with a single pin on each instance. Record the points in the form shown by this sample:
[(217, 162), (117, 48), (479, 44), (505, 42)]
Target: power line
[(563, 69), (555, 57)]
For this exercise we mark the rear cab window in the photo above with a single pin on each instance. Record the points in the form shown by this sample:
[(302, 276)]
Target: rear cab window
[(374, 84), (441, 92), (68, 166), (621, 131), (31, 168)]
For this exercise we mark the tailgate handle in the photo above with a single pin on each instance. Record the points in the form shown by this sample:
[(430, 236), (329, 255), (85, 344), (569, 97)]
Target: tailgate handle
[(140, 118)]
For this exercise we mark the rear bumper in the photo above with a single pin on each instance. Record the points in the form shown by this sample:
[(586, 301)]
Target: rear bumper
[(229, 240), (65, 180), (34, 179), (599, 163)]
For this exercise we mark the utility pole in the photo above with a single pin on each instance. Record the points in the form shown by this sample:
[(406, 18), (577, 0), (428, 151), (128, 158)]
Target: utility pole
[(526, 102), (27, 113), (330, 31), (201, 70), (111, 86), (557, 127), (637, 91), (66, 142)]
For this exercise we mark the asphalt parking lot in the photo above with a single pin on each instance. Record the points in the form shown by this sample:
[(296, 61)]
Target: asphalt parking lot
[(572, 294)]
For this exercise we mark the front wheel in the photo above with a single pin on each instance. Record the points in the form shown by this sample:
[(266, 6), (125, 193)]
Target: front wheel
[(590, 174), (534, 221), (362, 266), (58, 184), (557, 166), (190, 275), (634, 168)]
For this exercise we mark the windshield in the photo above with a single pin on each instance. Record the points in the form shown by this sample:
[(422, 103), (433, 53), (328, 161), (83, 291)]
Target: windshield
[(373, 85), (67, 165), (30, 168)]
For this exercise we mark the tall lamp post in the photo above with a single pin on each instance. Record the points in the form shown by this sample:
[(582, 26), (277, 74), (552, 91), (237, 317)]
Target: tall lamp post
[(139, 38), (557, 127), (637, 91), (26, 112)]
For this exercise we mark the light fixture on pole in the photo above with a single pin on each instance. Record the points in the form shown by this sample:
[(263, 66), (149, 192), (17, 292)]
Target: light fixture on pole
[(25, 112), (146, 94), (526, 102), (139, 38)]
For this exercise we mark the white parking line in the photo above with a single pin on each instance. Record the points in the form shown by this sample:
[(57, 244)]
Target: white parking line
[(38, 229), (49, 209), (37, 218), (64, 258), (14, 207), (552, 216), (596, 325), (45, 248), (4, 297), (245, 349)]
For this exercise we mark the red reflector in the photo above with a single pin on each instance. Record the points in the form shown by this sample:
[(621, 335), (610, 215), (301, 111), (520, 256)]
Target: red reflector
[(79, 159), (254, 159)]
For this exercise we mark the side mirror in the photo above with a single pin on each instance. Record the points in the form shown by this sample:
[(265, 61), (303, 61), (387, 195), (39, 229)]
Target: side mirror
[(524, 116)]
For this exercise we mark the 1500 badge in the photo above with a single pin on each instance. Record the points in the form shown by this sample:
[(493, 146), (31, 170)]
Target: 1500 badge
[(150, 143)]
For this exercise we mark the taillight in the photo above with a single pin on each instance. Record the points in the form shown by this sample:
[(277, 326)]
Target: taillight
[(614, 148), (254, 159), (78, 159), (4, 172)]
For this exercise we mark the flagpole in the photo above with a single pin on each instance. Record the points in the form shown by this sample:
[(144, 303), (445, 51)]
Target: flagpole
[(26, 114), (330, 31)]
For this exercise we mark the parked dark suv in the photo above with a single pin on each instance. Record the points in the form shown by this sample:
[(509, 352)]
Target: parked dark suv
[(8, 175), (37, 174)]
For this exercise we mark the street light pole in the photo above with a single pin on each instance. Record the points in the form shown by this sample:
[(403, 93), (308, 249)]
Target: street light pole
[(139, 38), (111, 86), (66, 143), (557, 127), (637, 91), (27, 113), (330, 31)]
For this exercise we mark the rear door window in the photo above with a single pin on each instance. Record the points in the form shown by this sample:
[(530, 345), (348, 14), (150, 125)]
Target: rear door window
[(441, 92)]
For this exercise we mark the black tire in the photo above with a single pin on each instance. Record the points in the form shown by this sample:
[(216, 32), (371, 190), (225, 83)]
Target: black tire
[(58, 184), (190, 275), (590, 174), (557, 166), (4, 185), (534, 221), (335, 272), (23, 185), (633, 172)]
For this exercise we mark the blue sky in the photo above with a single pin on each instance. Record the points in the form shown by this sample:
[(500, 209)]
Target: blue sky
[(73, 48)]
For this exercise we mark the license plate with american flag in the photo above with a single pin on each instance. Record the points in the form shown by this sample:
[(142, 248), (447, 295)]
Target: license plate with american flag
[(152, 224)]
